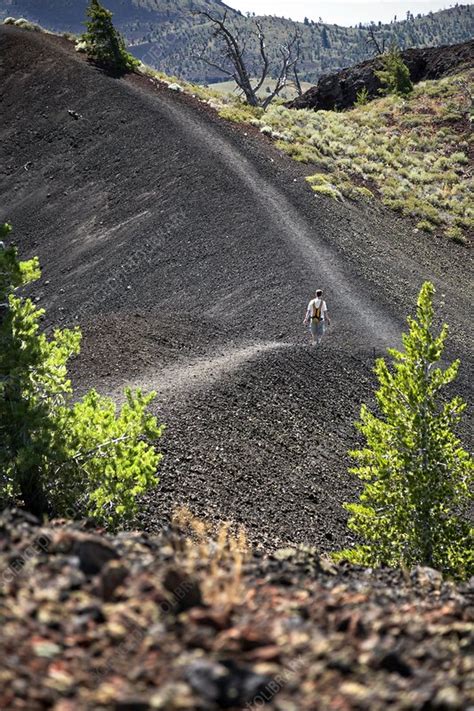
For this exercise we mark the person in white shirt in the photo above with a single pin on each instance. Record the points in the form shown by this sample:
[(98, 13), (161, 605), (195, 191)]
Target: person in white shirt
[(317, 315)]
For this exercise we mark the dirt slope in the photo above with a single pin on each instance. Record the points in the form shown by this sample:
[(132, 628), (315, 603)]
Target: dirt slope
[(187, 249)]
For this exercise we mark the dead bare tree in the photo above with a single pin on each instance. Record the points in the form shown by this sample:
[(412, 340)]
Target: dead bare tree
[(372, 40), (234, 50)]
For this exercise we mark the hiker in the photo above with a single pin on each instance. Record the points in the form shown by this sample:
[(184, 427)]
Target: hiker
[(317, 315)]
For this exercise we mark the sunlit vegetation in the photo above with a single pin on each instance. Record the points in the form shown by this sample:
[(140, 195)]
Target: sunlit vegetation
[(414, 508), (60, 455), (413, 152)]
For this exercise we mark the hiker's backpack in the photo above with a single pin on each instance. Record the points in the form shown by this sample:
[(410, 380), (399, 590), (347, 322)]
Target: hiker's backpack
[(316, 311)]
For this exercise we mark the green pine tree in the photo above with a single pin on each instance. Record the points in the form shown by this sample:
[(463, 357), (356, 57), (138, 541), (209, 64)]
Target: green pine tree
[(55, 456), (362, 97), (325, 42), (394, 75), (104, 43), (418, 478)]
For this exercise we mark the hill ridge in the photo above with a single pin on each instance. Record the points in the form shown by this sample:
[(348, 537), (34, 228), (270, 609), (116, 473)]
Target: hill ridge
[(161, 33)]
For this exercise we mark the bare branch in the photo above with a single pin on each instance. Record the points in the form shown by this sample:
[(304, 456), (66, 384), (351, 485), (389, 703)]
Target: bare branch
[(202, 58), (299, 90), (289, 63), (263, 54), (234, 51), (372, 40)]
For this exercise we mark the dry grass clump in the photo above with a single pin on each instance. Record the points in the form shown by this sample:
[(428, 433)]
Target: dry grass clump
[(229, 106), (216, 556), (235, 110)]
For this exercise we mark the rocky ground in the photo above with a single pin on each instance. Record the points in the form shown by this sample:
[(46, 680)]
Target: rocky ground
[(135, 622)]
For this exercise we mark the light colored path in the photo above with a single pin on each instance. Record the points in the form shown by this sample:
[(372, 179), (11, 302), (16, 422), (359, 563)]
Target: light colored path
[(372, 320), (195, 374)]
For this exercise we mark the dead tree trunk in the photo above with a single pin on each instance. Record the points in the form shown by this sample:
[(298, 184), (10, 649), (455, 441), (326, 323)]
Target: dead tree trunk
[(372, 40), (299, 89), (234, 53)]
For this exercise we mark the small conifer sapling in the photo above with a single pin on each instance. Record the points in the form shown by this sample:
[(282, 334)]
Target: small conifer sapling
[(394, 75), (418, 480), (104, 44)]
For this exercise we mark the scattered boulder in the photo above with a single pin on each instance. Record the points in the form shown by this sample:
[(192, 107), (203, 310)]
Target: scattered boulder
[(93, 553), (185, 591), (425, 577), (113, 574), (285, 553), (226, 683), (339, 90)]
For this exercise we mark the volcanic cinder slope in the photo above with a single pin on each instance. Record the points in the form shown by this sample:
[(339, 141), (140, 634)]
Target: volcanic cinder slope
[(187, 249)]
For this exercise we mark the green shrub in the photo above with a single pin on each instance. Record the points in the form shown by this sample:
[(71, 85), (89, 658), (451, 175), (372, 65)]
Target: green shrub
[(394, 75), (104, 44), (425, 226), (57, 457), (357, 193), (301, 153), (456, 234), (460, 158), (318, 179), (328, 190), (240, 113), (417, 478), (362, 97)]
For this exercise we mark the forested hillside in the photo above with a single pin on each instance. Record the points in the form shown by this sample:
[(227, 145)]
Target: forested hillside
[(170, 36)]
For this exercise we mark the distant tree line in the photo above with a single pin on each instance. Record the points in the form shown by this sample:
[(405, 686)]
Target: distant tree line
[(323, 48)]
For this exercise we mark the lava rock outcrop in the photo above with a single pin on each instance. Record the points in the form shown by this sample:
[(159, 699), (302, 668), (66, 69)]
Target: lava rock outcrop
[(339, 90)]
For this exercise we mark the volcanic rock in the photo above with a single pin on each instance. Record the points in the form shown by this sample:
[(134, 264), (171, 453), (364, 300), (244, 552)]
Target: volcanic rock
[(339, 90)]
